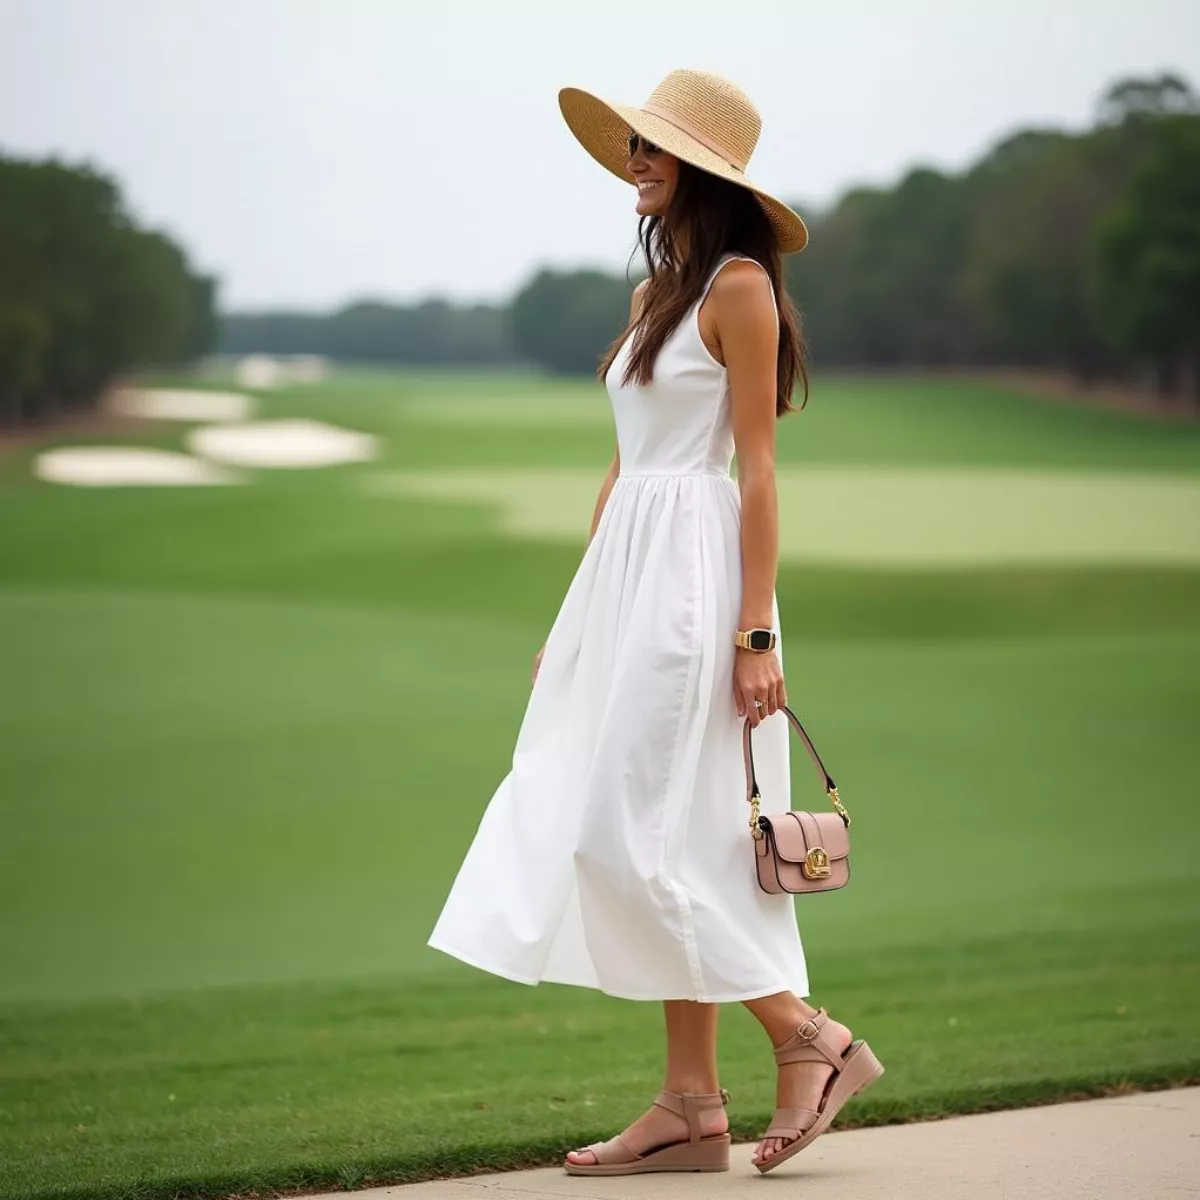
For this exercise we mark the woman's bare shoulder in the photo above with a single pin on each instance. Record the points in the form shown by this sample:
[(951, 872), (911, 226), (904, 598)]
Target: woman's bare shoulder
[(742, 297), (639, 295), (741, 281)]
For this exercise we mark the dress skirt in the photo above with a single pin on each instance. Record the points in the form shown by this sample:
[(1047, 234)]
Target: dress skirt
[(616, 852)]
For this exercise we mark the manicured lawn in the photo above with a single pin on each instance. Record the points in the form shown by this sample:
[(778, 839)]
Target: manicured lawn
[(246, 733)]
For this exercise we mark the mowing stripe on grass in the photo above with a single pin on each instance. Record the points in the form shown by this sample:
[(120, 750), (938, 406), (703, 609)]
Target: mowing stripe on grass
[(887, 516), (586, 406)]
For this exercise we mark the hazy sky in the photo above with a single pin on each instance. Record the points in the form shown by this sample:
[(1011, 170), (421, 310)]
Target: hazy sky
[(313, 151)]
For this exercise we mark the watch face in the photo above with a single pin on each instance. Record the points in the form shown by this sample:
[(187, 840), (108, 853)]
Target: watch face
[(760, 639)]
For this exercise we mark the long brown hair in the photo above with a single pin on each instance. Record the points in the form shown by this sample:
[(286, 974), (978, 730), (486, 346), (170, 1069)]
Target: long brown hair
[(714, 217)]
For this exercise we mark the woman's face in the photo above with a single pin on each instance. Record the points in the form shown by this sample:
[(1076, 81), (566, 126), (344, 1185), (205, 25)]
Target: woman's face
[(656, 173)]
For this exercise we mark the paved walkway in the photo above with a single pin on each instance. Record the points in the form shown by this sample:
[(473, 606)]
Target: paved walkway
[(1142, 1147)]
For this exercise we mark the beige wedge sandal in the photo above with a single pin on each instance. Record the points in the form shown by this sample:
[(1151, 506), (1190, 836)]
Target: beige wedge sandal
[(698, 1153), (853, 1072)]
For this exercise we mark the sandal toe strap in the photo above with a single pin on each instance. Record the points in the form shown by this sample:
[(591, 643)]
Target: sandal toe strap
[(790, 1123), (612, 1152)]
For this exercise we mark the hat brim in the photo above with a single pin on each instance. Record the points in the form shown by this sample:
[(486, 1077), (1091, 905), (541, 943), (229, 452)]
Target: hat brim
[(602, 129)]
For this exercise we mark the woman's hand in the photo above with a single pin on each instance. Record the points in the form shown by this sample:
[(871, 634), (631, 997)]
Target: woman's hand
[(758, 676), (537, 664)]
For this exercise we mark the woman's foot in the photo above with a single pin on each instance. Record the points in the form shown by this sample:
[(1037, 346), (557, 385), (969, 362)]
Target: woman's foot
[(802, 1085), (658, 1127)]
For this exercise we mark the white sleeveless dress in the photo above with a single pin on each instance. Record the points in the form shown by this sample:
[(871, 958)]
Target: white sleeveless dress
[(616, 853)]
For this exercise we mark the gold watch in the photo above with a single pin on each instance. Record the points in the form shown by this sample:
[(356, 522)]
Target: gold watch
[(758, 640)]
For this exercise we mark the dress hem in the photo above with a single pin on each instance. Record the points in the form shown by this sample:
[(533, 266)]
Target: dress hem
[(739, 998)]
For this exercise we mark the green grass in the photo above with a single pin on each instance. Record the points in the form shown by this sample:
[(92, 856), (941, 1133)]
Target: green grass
[(238, 773), (439, 419)]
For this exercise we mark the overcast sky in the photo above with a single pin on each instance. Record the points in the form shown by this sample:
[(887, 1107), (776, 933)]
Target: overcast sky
[(313, 151)]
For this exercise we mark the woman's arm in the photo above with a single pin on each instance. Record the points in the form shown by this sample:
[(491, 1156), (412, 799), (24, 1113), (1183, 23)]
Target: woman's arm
[(748, 330), (606, 487), (614, 469)]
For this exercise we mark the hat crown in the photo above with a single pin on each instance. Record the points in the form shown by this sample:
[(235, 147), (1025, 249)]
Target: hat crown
[(711, 108)]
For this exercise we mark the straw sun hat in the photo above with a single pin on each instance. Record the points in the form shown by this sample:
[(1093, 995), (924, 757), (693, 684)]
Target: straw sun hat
[(697, 116)]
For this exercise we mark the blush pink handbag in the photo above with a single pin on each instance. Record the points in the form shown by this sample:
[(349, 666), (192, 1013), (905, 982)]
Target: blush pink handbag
[(798, 851)]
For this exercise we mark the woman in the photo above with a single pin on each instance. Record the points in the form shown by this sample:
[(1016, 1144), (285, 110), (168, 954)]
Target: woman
[(615, 853)]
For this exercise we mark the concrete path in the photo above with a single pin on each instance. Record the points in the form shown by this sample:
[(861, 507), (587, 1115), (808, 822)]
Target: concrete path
[(1141, 1147)]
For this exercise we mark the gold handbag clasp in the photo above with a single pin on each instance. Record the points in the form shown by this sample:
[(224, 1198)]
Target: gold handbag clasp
[(755, 829), (816, 864)]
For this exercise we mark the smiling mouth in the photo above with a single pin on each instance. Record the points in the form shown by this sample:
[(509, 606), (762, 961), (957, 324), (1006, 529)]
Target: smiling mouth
[(645, 187)]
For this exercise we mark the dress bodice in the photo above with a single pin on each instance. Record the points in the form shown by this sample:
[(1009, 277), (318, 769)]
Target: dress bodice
[(680, 423)]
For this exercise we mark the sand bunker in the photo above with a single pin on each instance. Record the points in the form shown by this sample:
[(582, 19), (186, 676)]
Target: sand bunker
[(266, 371), (888, 516), (126, 466), (287, 443), (166, 404)]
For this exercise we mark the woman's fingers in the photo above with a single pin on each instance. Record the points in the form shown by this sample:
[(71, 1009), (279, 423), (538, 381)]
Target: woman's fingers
[(768, 692), (767, 687)]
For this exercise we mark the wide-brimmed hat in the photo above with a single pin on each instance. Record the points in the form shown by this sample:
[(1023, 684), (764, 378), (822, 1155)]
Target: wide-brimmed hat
[(697, 116)]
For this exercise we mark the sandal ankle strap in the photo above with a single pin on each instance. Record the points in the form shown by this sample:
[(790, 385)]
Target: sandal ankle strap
[(810, 1043), (689, 1106)]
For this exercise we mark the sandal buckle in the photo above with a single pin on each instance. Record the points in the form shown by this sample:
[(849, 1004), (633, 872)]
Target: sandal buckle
[(808, 1030)]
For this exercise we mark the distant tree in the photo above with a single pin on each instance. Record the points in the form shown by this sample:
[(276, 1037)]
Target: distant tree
[(881, 285), (24, 338), (1025, 270), (1147, 259), (564, 320), (84, 293), (1163, 96)]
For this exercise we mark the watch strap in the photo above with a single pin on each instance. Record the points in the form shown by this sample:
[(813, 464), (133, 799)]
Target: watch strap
[(746, 638)]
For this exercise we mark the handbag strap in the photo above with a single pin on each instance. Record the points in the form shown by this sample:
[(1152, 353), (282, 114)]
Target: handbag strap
[(753, 796)]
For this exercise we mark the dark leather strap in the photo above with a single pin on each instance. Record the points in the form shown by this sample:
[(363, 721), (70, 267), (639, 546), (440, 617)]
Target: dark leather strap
[(748, 755)]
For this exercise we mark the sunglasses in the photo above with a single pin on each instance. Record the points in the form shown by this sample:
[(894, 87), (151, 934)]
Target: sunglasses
[(648, 147)]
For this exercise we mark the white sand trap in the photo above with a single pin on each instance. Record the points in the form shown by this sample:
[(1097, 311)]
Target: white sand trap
[(259, 371), (288, 443), (126, 466), (166, 404), (889, 516)]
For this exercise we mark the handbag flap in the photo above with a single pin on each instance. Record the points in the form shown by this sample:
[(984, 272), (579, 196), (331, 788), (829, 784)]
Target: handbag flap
[(797, 833)]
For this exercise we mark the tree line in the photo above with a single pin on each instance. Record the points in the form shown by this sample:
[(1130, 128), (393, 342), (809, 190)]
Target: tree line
[(85, 293), (431, 333), (1070, 251), (1079, 252)]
